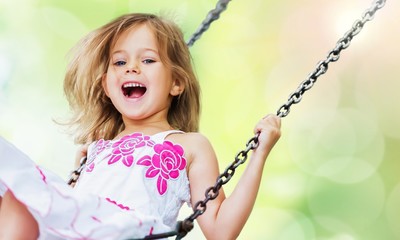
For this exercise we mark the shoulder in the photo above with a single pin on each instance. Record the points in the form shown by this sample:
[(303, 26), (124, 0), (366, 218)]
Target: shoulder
[(195, 145), (192, 141), (194, 137), (202, 168)]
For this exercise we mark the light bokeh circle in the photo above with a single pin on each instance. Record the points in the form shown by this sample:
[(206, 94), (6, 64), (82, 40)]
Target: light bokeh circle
[(346, 207), (393, 210), (280, 224), (345, 145)]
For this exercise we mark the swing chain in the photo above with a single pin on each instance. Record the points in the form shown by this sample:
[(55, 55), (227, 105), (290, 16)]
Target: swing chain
[(321, 68), (333, 56), (185, 226), (213, 192), (76, 173), (211, 16)]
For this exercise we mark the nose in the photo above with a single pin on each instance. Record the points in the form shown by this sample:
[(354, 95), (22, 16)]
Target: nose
[(132, 69)]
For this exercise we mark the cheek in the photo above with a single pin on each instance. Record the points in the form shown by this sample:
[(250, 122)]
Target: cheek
[(107, 83)]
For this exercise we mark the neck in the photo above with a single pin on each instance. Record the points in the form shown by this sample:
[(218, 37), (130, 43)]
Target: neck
[(147, 128)]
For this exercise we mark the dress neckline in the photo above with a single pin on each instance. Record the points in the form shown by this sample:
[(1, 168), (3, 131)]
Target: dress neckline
[(164, 134)]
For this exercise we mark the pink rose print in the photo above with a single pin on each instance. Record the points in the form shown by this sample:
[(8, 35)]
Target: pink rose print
[(123, 149), (165, 164), (99, 147), (90, 167)]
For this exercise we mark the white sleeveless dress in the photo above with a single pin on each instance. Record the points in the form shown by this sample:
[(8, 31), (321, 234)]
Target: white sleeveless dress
[(131, 187)]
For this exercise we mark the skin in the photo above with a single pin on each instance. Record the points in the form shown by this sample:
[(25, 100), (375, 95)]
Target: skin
[(219, 221), (149, 116), (13, 217), (140, 63)]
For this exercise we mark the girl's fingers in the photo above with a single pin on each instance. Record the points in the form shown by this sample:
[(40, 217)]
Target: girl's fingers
[(270, 121)]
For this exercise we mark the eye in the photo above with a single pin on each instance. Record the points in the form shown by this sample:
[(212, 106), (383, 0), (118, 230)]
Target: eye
[(148, 61), (119, 63)]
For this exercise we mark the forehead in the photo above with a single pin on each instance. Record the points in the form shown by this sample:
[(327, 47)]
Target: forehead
[(136, 36)]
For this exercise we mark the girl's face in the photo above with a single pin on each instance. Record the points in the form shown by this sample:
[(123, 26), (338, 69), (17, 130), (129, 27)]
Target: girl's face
[(139, 85)]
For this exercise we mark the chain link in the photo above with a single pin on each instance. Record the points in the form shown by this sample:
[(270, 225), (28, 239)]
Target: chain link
[(211, 17), (211, 193), (294, 98), (183, 227), (333, 56), (76, 173)]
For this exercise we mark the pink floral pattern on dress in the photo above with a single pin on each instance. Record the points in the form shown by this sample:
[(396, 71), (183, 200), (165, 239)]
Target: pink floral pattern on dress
[(90, 167), (118, 204), (98, 148), (124, 148), (96, 219), (165, 164), (41, 174)]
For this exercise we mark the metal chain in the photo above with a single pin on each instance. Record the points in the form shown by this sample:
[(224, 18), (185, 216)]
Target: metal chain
[(211, 17), (213, 192), (183, 227), (333, 56), (73, 177)]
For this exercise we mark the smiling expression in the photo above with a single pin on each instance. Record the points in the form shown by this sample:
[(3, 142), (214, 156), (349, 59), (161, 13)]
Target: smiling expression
[(138, 83)]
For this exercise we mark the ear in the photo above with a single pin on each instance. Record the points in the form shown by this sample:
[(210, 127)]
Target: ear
[(104, 83), (177, 88)]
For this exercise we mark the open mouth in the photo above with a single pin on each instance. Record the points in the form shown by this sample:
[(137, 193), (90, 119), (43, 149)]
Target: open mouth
[(133, 90)]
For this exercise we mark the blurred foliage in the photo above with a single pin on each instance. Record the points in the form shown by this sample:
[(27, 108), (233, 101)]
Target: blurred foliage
[(334, 175)]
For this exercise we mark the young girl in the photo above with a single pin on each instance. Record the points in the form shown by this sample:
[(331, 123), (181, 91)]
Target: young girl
[(135, 101)]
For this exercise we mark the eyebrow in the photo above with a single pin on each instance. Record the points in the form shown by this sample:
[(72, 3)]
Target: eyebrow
[(141, 50)]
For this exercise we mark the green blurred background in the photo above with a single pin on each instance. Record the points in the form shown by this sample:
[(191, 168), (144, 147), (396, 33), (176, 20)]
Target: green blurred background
[(334, 175)]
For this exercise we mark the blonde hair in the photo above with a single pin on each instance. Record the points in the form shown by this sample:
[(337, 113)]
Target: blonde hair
[(93, 114)]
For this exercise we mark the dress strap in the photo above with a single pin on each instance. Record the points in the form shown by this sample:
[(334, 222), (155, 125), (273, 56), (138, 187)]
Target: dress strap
[(163, 135)]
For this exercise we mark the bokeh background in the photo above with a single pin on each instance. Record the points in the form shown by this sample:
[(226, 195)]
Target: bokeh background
[(335, 173)]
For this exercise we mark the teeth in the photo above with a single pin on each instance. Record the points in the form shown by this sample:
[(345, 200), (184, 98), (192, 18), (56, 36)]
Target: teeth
[(126, 85)]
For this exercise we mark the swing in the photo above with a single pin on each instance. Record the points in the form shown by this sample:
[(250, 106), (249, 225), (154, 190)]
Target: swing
[(185, 226)]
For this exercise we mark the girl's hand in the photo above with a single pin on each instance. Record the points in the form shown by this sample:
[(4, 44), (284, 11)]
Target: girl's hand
[(269, 129)]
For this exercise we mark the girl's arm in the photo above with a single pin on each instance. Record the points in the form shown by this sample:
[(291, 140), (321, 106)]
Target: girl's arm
[(225, 217)]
